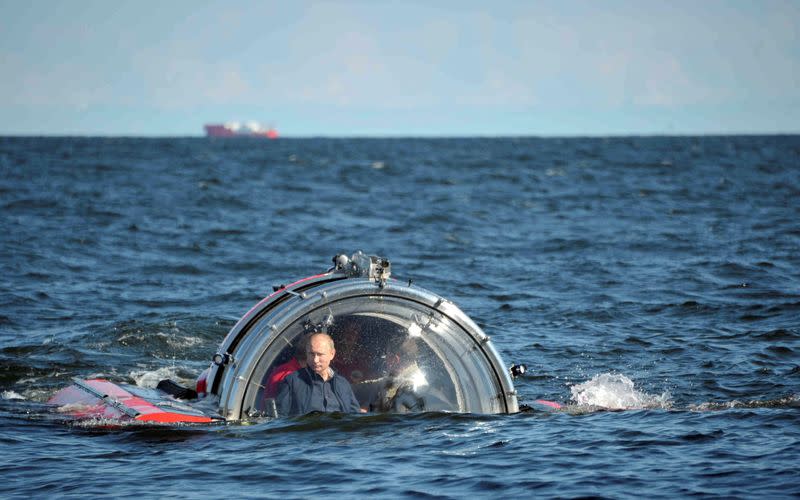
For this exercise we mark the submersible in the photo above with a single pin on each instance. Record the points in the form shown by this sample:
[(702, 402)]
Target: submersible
[(402, 347)]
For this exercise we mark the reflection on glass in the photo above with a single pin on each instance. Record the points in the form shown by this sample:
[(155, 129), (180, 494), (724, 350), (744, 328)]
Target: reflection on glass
[(398, 356)]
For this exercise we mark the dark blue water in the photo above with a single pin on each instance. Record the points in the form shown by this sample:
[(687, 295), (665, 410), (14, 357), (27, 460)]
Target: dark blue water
[(660, 275)]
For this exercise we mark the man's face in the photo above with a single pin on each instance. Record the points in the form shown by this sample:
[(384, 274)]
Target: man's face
[(320, 355)]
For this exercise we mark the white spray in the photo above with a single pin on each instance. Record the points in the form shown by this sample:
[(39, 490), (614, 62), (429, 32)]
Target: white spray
[(615, 391)]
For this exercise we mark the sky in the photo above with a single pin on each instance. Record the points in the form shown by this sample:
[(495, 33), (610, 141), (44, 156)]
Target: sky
[(400, 68)]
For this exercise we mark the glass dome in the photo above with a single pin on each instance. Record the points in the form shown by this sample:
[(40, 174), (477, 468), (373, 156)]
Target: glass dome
[(402, 348)]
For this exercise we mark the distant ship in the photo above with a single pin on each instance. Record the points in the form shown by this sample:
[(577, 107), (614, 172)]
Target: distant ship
[(236, 129)]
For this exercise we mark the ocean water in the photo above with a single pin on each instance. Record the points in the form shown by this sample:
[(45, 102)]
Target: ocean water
[(650, 284)]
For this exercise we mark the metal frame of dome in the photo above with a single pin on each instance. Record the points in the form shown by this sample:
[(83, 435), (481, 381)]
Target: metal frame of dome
[(261, 330)]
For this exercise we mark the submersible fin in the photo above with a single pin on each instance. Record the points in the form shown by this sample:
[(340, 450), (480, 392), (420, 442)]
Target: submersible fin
[(105, 400)]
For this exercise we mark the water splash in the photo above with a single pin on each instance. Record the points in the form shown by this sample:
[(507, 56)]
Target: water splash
[(615, 391), (151, 378), (11, 395)]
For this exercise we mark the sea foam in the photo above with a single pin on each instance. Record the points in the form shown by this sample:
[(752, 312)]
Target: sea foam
[(615, 391)]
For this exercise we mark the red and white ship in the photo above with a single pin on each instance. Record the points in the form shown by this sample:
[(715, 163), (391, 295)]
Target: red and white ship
[(236, 129)]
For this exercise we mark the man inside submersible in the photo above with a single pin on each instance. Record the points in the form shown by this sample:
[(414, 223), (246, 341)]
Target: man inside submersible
[(316, 387)]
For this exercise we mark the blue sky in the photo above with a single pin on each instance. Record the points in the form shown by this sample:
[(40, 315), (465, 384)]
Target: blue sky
[(386, 68)]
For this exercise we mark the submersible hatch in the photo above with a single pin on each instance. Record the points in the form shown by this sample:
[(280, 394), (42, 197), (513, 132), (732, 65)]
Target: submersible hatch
[(402, 348)]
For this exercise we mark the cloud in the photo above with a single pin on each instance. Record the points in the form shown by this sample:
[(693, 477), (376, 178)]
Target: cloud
[(69, 84), (180, 82)]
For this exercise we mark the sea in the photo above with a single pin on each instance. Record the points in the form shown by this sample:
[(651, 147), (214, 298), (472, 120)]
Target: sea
[(651, 285)]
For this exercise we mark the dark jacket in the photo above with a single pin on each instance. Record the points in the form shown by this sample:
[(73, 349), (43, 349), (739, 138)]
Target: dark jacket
[(295, 393)]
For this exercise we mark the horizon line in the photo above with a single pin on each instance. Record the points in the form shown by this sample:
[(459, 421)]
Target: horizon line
[(588, 135)]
